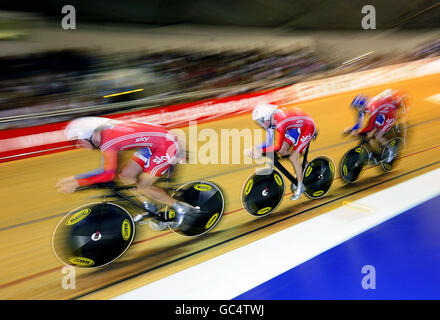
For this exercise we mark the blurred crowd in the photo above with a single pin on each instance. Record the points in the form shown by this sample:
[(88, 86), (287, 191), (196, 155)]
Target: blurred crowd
[(54, 86), (373, 60)]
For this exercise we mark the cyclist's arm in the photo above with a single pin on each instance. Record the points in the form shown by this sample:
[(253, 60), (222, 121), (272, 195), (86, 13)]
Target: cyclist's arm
[(367, 124), (268, 142), (104, 174), (359, 122), (278, 141)]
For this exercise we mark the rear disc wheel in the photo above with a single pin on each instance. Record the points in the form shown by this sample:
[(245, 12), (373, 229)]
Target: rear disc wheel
[(205, 196), (318, 177)]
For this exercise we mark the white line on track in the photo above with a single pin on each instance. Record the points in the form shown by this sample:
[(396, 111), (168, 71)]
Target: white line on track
[(434, 99)]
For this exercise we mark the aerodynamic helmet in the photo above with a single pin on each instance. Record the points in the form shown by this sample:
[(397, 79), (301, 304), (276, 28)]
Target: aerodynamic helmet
[(360, 102), (83, 128), (263, 112)]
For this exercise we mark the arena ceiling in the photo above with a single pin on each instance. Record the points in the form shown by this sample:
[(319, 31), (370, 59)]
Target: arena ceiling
[(310, 14)]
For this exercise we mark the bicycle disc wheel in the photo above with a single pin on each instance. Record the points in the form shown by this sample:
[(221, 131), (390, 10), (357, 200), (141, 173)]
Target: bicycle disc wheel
[(262, 192), (318, 177), (93, 235), (206, 196), (396, 146), (352, 163)]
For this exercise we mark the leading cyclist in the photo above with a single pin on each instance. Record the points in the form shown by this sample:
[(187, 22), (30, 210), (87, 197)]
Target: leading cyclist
[(156, 151)]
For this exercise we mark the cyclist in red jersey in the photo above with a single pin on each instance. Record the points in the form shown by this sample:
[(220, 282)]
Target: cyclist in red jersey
[(156, 151), (294, 129), (378, 115)]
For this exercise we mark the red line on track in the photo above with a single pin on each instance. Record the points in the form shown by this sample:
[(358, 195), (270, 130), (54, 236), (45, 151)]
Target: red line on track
[(39, 274), (152, 238)]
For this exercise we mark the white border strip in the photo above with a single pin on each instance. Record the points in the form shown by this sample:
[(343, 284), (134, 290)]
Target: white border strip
[(235, 272)]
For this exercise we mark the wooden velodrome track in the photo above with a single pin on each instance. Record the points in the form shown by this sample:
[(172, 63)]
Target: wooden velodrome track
[(31, 208)]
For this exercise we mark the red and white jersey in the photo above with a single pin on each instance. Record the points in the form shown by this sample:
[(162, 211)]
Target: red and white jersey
[(286, 121), (380, 111), (158, 150), (134, 135)]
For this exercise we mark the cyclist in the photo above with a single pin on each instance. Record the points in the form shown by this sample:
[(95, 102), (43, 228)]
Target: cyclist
[(156, 150), (288, 132), (375, 117)]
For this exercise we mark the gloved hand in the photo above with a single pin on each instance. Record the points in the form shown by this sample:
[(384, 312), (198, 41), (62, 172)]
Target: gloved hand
[(67, 185), (346, 131)]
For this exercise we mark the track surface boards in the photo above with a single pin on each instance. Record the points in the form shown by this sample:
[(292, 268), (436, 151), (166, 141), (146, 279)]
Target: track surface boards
[(32, 207)]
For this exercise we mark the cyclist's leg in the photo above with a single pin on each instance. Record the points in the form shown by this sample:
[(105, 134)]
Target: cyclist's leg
[(145, 168), (306, 135), (146, 187), (294, 158), (373, 147), (130, 172), (375, 137), (387, 153), (290, 139), (161, 162), (382, 129), (285, 149), (380, 137), (135, 166)]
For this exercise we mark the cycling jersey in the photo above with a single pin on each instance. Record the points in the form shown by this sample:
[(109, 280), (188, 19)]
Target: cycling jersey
[(381, 113), (293, 126), (157, 150)]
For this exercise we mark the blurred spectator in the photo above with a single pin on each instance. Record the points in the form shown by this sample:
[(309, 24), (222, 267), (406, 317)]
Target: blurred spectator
[(72, 79)]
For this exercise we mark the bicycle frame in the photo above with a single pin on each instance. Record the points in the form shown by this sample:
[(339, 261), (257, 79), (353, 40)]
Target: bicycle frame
[(365, 143), (116, 190), (288, 175), (116, 193)]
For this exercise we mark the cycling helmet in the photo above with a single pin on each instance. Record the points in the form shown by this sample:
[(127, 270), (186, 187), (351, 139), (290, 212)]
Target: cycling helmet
[(263, 112), (360, 102), (83, 128)]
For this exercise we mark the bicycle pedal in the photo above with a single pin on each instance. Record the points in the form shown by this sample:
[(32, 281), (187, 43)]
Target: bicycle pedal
[(159, 225)]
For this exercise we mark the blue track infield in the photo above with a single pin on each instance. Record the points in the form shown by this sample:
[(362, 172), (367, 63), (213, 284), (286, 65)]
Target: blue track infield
[(404, 251)]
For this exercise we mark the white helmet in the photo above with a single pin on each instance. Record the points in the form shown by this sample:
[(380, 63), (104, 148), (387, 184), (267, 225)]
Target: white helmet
[(263, 112), (83, 128)]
